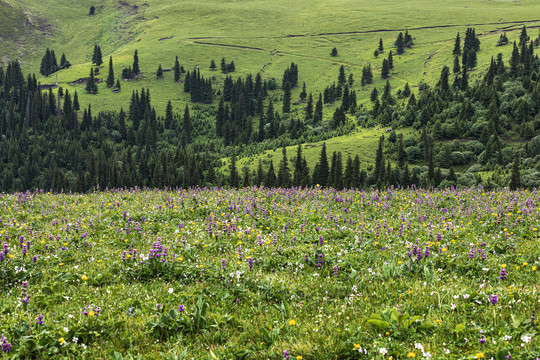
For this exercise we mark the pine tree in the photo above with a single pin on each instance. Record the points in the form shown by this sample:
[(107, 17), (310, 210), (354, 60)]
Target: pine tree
[(287, 98), (457, 46), (159, 72), (457, 66), (323, 168), (270, 180), (135, 70), (309, 107), (390, 60), (118, 86), (91, 86), (168, 122), (223, 66), (400, 45), (234, 181), (213, 65), (186, 128), (515, 180), (379, 162), (303, 94), (284, 176), (385, 69), (97, 57), (334, 52), (92, 10), (260, 174), (381, 48), (514, 61), (76, 105), (110, 78), (523, 37), (341, 77), (374, 95), (443, 80), (176, 70), (318, 114)]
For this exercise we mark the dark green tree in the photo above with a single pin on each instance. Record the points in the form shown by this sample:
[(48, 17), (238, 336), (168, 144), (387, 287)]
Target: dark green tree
[(213, 65), (186, 127), (234, 179), (159, 72), (381, 48), (385, 71), (287, 98), (92, 10), (135, 70), (341, 77), (91, 86), (284, 176), (457, 66), (110, 77), (176, 70), (334, 52), (400, 44), (457, 46)]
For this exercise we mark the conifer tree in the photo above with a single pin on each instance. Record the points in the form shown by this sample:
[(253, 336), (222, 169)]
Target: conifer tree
[(110, 78), (234, 181), (91, 86), (186, 127), (270, 179), (381, 48), (118, 86), (390, 60), (514, 61), (385, 69), (318, 114), (213, 65), (400, 45), (159, 72), (334, 52), (287, 98), (284, 176), (457, 46), (303, 94), (515, 180), (323, 168), (176, 70), (168, 122), (523, 37), (135, 70), (341, 77), (97, 57), (457, 66), (76, 105)]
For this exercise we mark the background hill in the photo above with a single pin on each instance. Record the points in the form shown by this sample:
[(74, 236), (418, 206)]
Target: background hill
[(259, 36), (475, 120)]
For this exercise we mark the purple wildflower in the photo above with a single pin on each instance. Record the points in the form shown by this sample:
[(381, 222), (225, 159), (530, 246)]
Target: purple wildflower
[(250, 262), (40, 319), (181, 309), (503, 274), (6, 347), (493, 299)]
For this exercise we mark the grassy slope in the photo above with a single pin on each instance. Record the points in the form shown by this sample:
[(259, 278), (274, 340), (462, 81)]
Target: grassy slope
[(263, 27)]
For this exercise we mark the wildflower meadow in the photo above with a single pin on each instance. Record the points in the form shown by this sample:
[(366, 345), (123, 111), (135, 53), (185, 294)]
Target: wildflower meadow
[(262, 273)]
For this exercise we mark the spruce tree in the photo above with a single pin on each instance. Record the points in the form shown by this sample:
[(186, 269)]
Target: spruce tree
[(381, 48), (234, 181), (135, 70), (117, 86), (284, 176), (159, 72), (324, 171), (457, 46), (91, 86), (110, 78), (400, 45), (514, 61), (213, 65), (176, 70), (385, 69), (390, 60), (457, 66), (186, 128), (287, 98), (168, 122), (318, 114), (341, 77), (270, 180), (523, 37), (303, 94)]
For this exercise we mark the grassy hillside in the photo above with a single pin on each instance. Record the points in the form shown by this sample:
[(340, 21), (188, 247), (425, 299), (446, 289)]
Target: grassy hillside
[(263, 36)]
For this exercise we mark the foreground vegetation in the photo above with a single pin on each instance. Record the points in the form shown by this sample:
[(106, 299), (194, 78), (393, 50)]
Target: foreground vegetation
[(270, 273)]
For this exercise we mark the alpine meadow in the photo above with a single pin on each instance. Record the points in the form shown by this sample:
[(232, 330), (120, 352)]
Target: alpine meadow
[(269, 179)]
